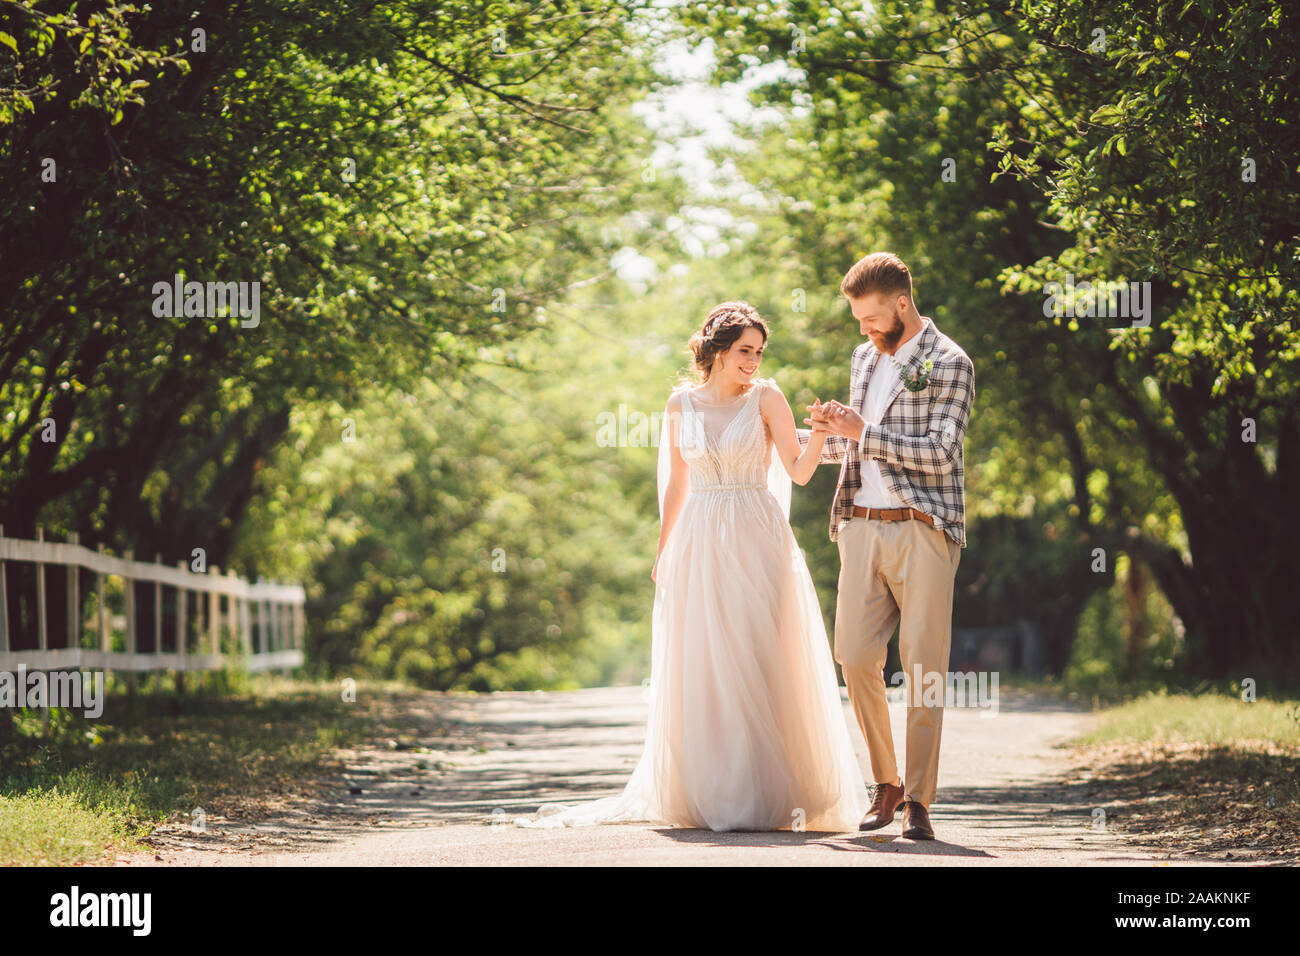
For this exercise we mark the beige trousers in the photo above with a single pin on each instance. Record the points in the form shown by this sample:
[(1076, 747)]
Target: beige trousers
[(890, 569)]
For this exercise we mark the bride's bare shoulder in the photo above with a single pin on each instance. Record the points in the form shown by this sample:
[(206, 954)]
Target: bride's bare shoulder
[(771, 398)]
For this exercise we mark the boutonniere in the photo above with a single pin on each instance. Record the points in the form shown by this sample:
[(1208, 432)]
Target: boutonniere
[(917, 380)]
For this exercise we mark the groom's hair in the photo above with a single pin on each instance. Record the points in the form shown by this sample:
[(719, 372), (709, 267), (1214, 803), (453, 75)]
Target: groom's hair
[(878, 272)]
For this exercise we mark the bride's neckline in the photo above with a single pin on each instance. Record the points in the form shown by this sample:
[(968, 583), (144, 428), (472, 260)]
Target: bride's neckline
[(695, 396)]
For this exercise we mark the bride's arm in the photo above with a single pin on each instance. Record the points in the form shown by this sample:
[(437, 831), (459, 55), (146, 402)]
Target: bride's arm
[(832, 451), (799, 458), (675, 493)]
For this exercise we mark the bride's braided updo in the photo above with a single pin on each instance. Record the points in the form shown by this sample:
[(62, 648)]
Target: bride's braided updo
[(720, 330)]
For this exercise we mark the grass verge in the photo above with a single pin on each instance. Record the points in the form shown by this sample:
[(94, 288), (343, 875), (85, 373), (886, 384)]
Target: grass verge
[(81, 790), (1202, 774)]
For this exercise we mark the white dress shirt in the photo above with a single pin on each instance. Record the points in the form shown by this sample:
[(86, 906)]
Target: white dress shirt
[(873, 493)]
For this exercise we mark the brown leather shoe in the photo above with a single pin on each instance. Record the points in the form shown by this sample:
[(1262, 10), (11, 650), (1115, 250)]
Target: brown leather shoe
[(883, 807), (916, 821)]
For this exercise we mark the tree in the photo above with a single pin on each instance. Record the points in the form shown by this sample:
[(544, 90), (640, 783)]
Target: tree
[(997, 150), (387, 174)]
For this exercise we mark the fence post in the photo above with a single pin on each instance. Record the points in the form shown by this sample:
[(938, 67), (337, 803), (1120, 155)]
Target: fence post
[(277, 616), (214, 613), (129, 608), (73, 588), (261, 619), (182, 632), (4, 602), (42, 637), (74, 597), (157, 609), (233, 619), (6, 717), (277, 639), (103, 611), (246, 626)]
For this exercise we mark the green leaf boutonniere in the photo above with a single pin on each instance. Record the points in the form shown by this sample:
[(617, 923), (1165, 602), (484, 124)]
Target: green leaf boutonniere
[(917, 380)]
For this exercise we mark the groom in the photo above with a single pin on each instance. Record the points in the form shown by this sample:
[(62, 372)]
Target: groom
[(899, 520)]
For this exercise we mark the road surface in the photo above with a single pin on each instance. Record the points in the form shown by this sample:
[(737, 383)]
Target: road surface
[(1009, 794)]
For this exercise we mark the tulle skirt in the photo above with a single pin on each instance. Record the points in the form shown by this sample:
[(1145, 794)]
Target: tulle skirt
[(746, 729)]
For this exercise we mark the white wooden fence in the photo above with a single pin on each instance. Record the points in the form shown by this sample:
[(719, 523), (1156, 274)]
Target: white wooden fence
[(267, 617)]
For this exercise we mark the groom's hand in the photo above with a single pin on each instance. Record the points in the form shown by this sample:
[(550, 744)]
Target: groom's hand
[(835, 418)]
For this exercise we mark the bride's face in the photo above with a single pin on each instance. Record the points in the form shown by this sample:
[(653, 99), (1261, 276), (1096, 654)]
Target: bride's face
[(739, 364)]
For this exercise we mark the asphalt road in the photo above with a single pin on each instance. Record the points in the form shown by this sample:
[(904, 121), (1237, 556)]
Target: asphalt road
[(1009, 794)]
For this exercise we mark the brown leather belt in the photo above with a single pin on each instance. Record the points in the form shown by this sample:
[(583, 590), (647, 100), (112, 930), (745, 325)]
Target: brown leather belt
[(893, 514)]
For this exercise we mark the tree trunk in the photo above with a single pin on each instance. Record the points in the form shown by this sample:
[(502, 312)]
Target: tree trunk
[(1135, 593)]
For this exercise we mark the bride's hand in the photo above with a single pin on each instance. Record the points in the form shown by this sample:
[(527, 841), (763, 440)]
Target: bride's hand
[(841, 420), (819, 419), (817, 411)]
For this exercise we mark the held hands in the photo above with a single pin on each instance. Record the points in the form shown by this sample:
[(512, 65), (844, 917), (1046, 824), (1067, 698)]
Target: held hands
[(818, 417), (834, 418)]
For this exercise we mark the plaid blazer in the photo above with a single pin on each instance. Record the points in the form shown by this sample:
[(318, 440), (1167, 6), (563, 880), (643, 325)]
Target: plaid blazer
[(918, 441)]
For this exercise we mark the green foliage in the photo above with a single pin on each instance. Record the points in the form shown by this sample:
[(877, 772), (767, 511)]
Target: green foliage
[(477, 535), (451, 299), (1117, 164), (53, 828), (86, 787), (466, 125), (1206, 719), (1128, 639), (106, 67)]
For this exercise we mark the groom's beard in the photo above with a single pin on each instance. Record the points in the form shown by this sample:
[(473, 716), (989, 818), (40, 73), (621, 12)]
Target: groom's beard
[(889, 341)]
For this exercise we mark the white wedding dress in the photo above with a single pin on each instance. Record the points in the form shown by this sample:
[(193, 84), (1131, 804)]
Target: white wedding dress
[(746, 730)]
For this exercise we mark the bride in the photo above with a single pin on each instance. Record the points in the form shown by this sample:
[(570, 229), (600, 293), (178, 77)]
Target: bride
[(746, 730)]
